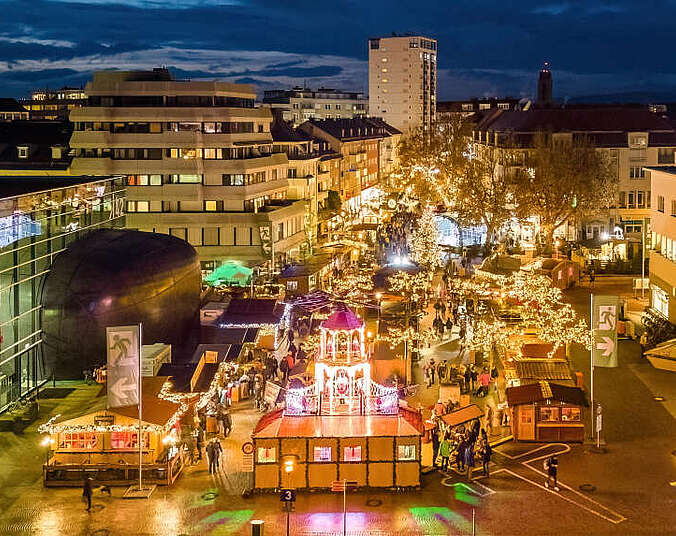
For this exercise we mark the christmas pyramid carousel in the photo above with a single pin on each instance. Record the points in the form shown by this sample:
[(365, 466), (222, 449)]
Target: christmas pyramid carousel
[(343, 425)]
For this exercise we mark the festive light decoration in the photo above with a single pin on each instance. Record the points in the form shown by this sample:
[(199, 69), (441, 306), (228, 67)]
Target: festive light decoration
[(425, 249)]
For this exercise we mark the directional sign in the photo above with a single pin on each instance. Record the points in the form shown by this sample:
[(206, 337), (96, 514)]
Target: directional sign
[(247, 463), (605, 314), (288, 495), (342, 485)]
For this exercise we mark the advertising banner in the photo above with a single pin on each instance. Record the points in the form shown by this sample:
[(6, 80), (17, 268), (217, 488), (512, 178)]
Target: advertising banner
[(605, 314), (124, 351)]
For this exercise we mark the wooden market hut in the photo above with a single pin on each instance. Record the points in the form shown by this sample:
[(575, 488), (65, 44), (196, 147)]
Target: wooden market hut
[(103, 443), (546, 411), (376, 451), (563, 272)]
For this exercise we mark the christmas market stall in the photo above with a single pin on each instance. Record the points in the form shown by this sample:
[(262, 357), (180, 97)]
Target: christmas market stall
[(342, 425), (546, 411), (103, 443)]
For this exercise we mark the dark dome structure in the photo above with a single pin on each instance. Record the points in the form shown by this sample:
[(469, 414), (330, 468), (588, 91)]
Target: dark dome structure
[(116, 277)]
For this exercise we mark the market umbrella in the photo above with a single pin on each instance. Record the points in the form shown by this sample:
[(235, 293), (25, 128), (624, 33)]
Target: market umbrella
[(230, 272)]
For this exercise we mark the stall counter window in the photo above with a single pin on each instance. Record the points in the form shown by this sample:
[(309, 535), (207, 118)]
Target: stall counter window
[(352, 454), (322, 454), (406, 452), (267, 455), (78, 441), (549, 414), (127, 440)]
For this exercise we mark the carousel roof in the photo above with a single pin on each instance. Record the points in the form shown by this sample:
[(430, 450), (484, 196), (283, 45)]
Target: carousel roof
[(342, 320)]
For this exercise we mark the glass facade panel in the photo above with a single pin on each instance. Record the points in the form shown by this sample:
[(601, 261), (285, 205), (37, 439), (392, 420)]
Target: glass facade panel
[(35, 227)]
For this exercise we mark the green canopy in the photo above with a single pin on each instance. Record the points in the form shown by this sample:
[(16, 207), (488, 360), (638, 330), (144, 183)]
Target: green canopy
[(230, 273)]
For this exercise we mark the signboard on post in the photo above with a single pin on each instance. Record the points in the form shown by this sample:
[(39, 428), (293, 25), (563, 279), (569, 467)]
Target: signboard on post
[(123, 345), (288, 495), (605, 314), (247, 463)]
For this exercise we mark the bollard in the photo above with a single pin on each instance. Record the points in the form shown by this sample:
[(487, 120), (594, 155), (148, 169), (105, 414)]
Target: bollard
[(257, 526)]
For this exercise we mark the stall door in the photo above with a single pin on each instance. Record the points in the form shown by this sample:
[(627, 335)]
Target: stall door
[(526, 423)]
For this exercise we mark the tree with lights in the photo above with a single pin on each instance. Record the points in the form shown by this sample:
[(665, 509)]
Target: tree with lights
[(425, 249), (563, 178)]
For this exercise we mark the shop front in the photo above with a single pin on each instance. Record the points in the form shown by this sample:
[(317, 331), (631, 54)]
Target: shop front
[(547, 412)]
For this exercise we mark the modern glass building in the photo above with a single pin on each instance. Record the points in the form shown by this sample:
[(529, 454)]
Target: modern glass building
[(39, 217)]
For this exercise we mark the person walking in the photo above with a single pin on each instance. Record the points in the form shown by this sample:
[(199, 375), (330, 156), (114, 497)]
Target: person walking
[(87, 492), (468, 379), (484, 382), (218, 451), (227, 422), (211, 456), (486, 453), (475, 376), (199, 443), (551, 465), (445, 453), (469, 459), (592, 277), (432, 369)]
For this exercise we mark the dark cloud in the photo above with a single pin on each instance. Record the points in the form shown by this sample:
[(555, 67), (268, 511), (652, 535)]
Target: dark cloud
[(491, 46)]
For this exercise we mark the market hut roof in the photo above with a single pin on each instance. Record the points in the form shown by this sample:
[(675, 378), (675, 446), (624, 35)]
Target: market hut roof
[(279, 426), (342, 320), (541, 391), (542, 369), (463, 415)]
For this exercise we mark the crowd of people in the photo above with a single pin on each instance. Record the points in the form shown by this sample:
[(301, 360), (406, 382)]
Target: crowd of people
[(462, 445)]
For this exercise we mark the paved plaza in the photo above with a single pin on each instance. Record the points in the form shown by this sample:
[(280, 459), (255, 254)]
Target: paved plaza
[(625, 490)]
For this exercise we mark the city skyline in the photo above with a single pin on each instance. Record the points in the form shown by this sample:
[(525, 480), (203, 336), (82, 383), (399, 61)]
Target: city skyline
[(494, 51)]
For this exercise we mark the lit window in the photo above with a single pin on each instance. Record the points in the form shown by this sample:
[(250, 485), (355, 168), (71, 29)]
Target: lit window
[(570, 414), (83, 441), (384, 60), (406, 452), (127, 440), (267, 455), (210, 206), (384, 69), (352, 454), (322, 454)]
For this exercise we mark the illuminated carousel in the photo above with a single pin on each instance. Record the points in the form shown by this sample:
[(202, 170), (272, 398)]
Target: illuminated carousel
[(342, 425)]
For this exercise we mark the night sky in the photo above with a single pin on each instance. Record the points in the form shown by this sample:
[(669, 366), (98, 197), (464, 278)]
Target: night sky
[(488, 47)]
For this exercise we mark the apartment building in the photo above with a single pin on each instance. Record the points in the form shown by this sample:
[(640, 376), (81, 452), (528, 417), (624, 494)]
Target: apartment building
[(448, 110), (55, 104), (301, 104), (358, 141), (30, 148), (663, 255), (632, 137), (403, 80), (199, 162)]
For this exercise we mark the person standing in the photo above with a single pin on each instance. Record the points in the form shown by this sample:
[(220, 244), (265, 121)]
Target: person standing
[(469, 459), (489, 420), (475, 377), (432, 369), (199, 443), (468, 379), (551, 465), (435, 447), (227, 422), (460, 454), (218, 450), (486, 453), (87, 492), (484, 382), (211, 457), (445, 453)]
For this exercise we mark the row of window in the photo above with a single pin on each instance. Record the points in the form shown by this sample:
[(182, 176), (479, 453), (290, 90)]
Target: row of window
[(325, 454), (228, 153), (232, 127), (635, 199), (152, 101), (660, 205), (89, 440), (228, 179)]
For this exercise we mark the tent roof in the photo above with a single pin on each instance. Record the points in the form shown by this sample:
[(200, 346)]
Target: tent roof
[(230, 271), (541, 391)]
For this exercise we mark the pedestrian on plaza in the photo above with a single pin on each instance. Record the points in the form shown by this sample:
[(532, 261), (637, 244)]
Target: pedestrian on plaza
[(449, 327), (441, 371), (199, 443), (211, 457), (445, 453), (218, 450), (494, 377), (469, 459), (432, 369), (468, 379), (486, 453), (484, 382), (435, 446), (87, 492), (551, 465), (227, 422), (489, 420), (460, 454), (592, 277), (475, 376)]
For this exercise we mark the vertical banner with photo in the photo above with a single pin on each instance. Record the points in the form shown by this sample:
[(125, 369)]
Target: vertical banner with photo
[(123, 350)]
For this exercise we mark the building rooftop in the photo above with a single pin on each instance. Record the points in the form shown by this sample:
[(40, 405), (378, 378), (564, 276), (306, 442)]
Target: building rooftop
[(576, 120), (357, 128), (671, 170), (543, 390), (11, 105)]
